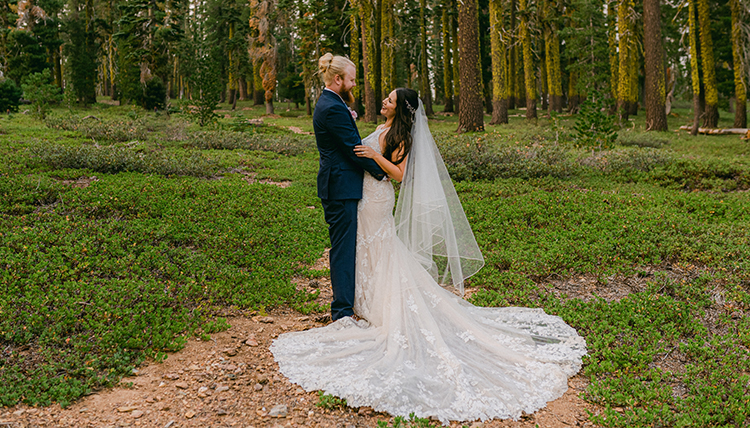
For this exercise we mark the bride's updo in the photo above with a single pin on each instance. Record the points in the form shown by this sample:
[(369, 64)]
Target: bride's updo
[(407, 103), (330, 66)]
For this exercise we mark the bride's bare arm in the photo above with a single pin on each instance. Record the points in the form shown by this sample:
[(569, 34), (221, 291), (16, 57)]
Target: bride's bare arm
[(395, 172)]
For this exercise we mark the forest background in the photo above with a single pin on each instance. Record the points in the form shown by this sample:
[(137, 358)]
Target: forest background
[(492, 55)]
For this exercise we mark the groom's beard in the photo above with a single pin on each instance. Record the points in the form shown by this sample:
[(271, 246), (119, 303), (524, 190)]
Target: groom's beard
[(347, 96)]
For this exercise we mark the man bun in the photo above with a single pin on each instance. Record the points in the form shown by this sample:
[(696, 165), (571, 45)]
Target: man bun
[(324, 63), (330, 66)]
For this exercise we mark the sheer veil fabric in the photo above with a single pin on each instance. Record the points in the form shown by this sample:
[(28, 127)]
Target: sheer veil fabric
[(429, 218), (420, 348)]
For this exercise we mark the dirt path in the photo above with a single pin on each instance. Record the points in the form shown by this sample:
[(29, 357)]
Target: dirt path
[(233, 381)]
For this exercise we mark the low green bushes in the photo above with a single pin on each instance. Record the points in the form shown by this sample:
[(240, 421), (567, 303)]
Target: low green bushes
[(227, 140), (131, 265), (97, 130), (112, 159), (469, 157)]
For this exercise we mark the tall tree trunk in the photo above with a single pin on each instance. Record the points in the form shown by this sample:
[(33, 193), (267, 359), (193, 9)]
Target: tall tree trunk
[(694, 65), (470, 114), (257, 84), (378, 87), (447, 66), (711, 114), (355, 46), (656, 89), (456, 61), (552, 55), (574, 98), (625, 30), (528, 62), (512, 59), (424, 73), (368, 62), (242, 86), (387, 58), (499, 65), (612, 39), (633, 74), (740, 78), (543, 83)]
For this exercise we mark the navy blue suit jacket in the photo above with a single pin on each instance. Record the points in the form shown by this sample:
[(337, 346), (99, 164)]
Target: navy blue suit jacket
[(341, 171)]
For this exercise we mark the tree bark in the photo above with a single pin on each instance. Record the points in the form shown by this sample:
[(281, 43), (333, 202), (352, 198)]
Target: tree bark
[(456, 60), (243, 88), (694, 65), (656, 90), (740, 83), (528, 62), (512, 60), (424, 73), (499, 65), (612, 40), (387, 58), (624, 14), (471, 115), (447, 66), (368, 59), (711, 113), (258, 94)]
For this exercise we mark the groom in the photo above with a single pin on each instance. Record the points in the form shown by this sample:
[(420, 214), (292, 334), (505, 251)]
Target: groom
[(340, 176)]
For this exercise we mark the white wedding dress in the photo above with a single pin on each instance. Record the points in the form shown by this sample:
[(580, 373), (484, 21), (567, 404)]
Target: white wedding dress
[(421, 349)]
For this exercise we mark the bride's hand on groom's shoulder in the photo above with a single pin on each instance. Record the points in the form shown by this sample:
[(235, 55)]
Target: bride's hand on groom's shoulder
[(365, 151)]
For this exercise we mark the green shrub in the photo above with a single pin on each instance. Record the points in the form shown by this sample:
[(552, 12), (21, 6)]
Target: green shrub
[(627, 160), (10, 96), (110, 159), (39, 89), (154, 95), (97, 130), (470, 157), (226, 140), (595, 129)]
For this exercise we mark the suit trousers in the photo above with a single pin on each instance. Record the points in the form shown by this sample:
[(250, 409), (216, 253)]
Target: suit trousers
[(341, 216)]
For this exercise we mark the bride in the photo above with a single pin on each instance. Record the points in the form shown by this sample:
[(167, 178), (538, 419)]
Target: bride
[(417, 347)]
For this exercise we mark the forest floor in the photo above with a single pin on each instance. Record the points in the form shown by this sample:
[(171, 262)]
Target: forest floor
[(232, 380)]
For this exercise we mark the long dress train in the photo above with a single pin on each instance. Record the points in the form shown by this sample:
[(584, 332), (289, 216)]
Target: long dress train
[(421, 349)]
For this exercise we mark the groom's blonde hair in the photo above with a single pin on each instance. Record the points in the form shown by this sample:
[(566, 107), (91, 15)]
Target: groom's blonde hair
[(330, 66)]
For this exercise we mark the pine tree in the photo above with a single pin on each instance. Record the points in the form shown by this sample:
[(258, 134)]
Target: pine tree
[(694, 64), (470, 114), (499, 65), (528, 60), (447, 22), (552, 56), (625, 14), (424, 73), (456, 60), (655, 90), (711, 113), (263, 47), (82, 51), (387, 45), (740, 78), (612, 42)]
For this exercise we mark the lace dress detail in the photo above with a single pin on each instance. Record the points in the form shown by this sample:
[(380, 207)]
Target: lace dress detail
[(421, 349)]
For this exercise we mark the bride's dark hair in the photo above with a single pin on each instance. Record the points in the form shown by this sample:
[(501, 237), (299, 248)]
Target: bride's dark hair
[(407, 103)]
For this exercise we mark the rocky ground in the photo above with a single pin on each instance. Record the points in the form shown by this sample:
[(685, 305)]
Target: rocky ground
[(233, 381)]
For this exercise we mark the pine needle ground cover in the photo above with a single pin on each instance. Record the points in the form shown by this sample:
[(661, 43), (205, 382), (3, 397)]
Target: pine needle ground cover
[(643, 248)]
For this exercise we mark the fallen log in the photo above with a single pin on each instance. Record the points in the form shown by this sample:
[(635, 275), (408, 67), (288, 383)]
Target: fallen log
[(719, 131)]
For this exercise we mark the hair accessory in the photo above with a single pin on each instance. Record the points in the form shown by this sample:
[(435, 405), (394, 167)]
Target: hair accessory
[(412, 110)]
